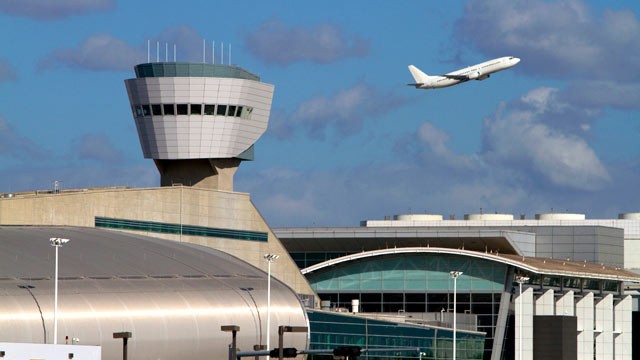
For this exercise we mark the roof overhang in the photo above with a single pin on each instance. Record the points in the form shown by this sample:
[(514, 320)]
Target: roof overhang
[(540, 266)]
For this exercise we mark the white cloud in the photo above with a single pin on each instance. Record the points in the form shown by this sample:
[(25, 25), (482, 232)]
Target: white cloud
[(7, 72), (557, 38), (98, 52), (54, 10), (516, 136), (345, 112), (96, 147), (188, 45), (276, 43), (16, 146)]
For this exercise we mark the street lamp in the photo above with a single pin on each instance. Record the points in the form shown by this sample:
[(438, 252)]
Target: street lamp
[(270, 258), (454, 275), (56, 243), (520, 279), (233, 329)]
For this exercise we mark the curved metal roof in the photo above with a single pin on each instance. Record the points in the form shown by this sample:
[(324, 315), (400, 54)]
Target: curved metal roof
[(530, 264), (172, 296)]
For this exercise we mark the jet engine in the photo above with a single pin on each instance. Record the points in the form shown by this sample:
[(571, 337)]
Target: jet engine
[(474, 75), (482, 77)]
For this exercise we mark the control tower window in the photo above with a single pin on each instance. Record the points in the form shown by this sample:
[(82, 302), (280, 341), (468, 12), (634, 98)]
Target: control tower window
[(168, 109), (196, 109), (183, 109), (138, 110), (209, 109), (156, 109), (222, 110), (232, 110), (239, 111), (146, 110)]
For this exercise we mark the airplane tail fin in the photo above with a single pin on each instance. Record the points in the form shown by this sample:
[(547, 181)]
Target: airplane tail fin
[(419, 76)]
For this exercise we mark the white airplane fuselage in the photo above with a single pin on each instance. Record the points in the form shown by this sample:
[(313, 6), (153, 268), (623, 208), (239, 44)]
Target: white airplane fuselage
[(476, 72)]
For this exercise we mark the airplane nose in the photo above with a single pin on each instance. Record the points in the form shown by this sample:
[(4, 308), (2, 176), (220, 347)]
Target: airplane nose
[(516, 60)]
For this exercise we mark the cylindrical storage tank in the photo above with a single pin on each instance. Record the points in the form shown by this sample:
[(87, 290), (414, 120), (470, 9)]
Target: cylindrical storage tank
[(489, 217), (629, 216), (560, 216), (418, 217), (355, 306)]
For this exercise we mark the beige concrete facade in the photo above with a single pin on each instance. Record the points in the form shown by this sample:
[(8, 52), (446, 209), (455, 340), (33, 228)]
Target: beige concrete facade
[(174, 205)]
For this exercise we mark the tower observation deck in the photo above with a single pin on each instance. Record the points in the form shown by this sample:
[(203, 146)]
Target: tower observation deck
[(198, 121)]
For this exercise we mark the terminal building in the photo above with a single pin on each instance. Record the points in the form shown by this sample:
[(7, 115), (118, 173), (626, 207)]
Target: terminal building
[(575, 283)]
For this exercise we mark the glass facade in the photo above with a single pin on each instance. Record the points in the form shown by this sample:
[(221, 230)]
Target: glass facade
[(416, 283), (178, 69), (330, 330), (151, 226)]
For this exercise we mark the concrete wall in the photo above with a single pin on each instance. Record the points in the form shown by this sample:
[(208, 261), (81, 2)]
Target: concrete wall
[(174, 205)]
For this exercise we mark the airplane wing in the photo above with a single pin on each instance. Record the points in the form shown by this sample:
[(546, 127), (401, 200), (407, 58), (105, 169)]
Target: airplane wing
[(457, 77), (416, 84)]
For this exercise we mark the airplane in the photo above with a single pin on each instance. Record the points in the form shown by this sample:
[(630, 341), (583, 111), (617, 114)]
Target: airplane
[(476, 72)]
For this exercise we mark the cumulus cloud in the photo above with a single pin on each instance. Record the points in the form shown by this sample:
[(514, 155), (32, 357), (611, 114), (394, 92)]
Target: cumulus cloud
[(563, 39), (16, 146), (344, 112), (97, 147), (603, 93), (103, 52), (517, 136), (98, 52), (188, 45), (276, 43), (54, 10), (7, 72)]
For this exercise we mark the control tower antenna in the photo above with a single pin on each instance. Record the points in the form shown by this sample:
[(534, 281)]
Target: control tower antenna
[(204, 46)]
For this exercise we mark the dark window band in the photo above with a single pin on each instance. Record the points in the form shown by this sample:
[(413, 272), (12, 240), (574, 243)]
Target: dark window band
[(150, 226)]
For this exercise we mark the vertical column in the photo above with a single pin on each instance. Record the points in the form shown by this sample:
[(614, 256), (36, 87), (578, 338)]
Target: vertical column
[(545, 303), (565, 305), (524, 330), (622, 328), (604, 328), (584, 312)]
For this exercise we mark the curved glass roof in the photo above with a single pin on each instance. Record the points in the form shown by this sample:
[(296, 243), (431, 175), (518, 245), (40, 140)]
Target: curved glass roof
[(183, 69)]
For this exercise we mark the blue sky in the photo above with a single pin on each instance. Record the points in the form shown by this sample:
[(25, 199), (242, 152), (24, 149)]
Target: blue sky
[(347, 139)]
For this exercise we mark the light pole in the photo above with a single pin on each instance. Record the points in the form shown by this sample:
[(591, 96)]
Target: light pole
[(520, 279), (270, 258), (233, 329), (454, 275), (56, 243)]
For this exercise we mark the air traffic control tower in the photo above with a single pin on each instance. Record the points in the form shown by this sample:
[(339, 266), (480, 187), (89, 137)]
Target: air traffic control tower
[(198, 121)]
